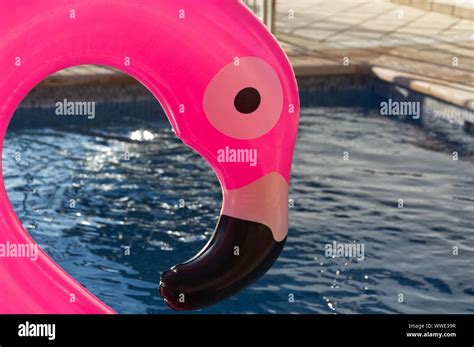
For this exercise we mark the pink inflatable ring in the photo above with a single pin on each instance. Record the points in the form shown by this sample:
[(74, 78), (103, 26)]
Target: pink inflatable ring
[(228, 91)]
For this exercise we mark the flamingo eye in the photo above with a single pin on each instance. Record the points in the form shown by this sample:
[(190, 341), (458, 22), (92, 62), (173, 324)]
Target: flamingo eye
[(247, 100), (244, 101)]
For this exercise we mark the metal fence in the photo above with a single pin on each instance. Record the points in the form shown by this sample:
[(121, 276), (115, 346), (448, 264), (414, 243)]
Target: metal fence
[(266, 10)]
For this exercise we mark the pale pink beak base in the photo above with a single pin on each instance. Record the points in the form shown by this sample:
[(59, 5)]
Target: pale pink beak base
[(264, 201)]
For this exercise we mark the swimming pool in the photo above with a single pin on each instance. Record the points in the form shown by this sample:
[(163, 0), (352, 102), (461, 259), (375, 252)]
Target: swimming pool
[(87, 193)]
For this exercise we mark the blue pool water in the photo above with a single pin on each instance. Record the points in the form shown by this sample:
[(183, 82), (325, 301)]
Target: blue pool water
[(137, 203)]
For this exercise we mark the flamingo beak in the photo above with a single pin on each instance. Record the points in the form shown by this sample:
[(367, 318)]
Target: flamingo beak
[(249, 236)]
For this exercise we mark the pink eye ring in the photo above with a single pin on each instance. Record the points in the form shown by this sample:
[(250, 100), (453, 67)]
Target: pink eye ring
[(245, 100)]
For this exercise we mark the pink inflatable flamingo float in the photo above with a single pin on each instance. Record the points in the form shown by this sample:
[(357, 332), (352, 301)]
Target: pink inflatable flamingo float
[(228, 91)]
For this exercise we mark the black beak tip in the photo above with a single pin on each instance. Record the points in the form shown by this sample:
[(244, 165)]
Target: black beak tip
[(238, 253), (168, 290)]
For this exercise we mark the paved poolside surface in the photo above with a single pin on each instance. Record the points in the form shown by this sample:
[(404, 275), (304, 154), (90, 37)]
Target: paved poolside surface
[(380, 33), (398, 43), (420, 48)]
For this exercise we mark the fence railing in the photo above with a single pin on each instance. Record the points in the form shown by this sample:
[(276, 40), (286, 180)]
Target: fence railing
[(266, 10)]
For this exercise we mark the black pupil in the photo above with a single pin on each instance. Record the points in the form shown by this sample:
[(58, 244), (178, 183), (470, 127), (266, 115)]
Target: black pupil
[(247, 100)]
